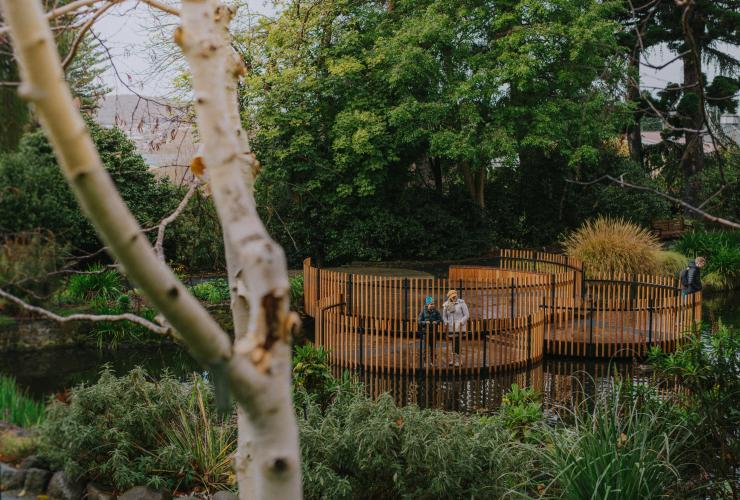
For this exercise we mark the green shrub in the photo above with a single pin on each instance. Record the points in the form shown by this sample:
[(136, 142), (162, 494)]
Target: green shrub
[(722, 251), (521, 411), (126, 431), (36, 196), (15, 447), (296, 291), (619, 449), (671, 263), (709, 368), (360, 448), (16, 406), (194, 240), (614, 246), (26, 258), (214, 290), (312, 373)]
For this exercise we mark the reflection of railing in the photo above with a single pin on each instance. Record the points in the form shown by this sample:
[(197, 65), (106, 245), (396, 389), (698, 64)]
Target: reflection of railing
[(602, 316)]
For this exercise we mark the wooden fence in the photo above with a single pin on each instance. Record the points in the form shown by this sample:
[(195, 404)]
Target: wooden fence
[(533, 303)]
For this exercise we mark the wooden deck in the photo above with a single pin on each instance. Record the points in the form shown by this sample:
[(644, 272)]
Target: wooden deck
[(535, 303)]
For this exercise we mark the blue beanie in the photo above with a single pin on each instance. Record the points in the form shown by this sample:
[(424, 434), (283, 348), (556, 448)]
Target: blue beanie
[(428, 300)]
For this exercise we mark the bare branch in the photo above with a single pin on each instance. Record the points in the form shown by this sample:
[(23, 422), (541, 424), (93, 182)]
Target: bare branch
[(679, 56), (81, 34), (621, 182), (133, 318), (159, 244)]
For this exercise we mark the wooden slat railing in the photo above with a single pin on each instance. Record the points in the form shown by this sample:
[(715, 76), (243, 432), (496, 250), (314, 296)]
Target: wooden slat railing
[(534, 303)]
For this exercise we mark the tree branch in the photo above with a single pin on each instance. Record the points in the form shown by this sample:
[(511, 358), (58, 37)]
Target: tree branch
[(133, 318), (159, 243), (621, 182), (81, 34), (43, 85)]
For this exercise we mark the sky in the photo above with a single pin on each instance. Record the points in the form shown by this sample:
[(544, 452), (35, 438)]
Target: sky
[(125, 32)]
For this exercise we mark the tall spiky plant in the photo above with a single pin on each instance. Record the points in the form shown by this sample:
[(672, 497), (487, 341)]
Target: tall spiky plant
[(614, 245)]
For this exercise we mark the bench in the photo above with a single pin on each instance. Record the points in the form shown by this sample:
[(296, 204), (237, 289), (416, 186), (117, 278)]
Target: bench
[(669, 228)]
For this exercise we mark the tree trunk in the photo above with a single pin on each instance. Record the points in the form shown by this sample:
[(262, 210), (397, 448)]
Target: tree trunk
[(258, 365), (634, 131), (692, 161), (435, 164), (475, 184)]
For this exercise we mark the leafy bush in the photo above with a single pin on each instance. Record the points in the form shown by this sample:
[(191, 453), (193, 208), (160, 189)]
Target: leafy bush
[(16, 406), (26, 256), (312, 373), (521, 410), (214, 290), (671, 263), (36, 196), (614, 246), (722, 251), (619, 449), (709, 368), (129, 430), (360, 448), (195, 240)]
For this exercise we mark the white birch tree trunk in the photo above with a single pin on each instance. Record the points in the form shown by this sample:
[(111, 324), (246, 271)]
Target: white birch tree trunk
[(259, 362)]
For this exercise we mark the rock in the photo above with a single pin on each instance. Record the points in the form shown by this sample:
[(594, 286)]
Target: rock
[(63, 488), (97, 492), (144, 493), (34, 462), (36, 480), (11, 478), (224, 495)]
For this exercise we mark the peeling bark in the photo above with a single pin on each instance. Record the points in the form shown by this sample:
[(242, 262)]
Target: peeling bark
[(268, 461)]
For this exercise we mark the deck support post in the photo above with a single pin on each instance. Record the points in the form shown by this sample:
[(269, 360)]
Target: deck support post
[(350, 294), (650, 323)]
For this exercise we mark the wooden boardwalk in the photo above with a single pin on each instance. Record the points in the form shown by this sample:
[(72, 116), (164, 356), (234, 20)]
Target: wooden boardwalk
[(532, 304)]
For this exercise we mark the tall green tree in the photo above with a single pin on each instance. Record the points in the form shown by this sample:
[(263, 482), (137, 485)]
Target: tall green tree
[(387, 122), (82, 73)]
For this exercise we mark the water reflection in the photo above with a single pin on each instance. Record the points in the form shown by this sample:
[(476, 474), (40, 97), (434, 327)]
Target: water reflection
[(47, 371), (562, 382)]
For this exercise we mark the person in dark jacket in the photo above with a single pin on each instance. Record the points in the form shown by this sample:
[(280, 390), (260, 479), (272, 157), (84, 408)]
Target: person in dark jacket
[(429, 315), (691, 276)]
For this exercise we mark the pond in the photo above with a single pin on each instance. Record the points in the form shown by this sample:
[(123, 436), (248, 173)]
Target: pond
[(560, 380)]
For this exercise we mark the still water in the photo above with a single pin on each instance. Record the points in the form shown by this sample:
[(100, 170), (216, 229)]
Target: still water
[(560, 380)]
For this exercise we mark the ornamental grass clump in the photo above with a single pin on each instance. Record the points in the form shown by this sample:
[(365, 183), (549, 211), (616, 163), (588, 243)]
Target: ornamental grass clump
[(16, 406), (619, 446), (614, 245)]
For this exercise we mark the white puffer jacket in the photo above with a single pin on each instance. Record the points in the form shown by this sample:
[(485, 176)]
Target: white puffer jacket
[(455, 315)]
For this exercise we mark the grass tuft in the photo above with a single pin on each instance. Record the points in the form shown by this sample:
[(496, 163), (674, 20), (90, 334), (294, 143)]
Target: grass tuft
[(614, 246), (16, 407)]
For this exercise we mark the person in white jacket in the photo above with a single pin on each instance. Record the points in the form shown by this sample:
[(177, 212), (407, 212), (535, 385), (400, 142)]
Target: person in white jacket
[(455, 316)]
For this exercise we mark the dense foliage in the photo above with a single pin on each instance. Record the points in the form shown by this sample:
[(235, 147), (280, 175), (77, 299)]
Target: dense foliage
[(33, 189), (709, 368), (34, 197), (131, 430), (626, 442), (425, 128), (722, 251)]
